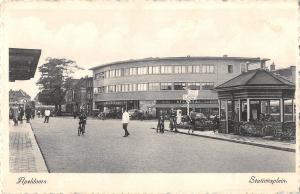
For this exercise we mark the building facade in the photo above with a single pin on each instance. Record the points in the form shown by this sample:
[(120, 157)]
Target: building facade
[(18, 97), (155, 84), (80, 95)]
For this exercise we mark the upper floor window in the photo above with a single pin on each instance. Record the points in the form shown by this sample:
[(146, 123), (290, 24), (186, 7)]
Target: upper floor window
[(118, 72), (230, 68), (112, 73), (166, 69), (126, 72), (154, 86), (133, 71), (196, 69), (142, 87), (166, 86), (179, 69), (179, 86), (125, 87), (112, 88), (106, 74), (142, 70), (118, 88), (190, 69), (154, 70), (208, 68), (243, 68), (132, 87)]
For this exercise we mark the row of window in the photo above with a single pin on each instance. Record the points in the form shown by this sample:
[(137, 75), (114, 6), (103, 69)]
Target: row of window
[(156, 86), (162, 69), (184, 102)]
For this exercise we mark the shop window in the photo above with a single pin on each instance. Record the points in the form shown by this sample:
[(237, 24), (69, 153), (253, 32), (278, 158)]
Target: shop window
[(230, 68), (288, 110), (154, 87), (223, 110), (194, 86), (166, 86), (275, 110), (207, 85), (179, 86)]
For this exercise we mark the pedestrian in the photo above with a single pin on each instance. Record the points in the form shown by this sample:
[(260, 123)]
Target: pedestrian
[(82, 121), (38, 113), (32, 113), (125, 121), (173, 120), (15, 112), (27, 114), (193, 115), (161, 122), (21, 114), (47, 115)]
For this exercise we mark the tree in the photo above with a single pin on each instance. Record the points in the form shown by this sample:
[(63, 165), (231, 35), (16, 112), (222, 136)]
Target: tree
[(55, 80)]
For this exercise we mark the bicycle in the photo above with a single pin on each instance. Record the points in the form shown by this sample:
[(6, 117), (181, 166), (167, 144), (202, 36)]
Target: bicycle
[(81, 129)]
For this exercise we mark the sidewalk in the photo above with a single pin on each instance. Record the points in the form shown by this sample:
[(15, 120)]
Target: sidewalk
[(256, 141), (24, 153)]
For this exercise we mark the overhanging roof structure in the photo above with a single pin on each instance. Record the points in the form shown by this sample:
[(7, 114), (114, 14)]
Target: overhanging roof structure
[(23, 63), (258, 78)]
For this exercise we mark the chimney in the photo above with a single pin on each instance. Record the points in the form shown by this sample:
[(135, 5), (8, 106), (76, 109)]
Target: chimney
[(272, 66)]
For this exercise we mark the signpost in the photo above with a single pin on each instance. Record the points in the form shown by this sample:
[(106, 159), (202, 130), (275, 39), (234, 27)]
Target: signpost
[(191, 95)]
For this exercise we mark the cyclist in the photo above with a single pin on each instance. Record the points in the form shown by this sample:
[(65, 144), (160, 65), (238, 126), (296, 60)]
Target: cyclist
[(82, 122)]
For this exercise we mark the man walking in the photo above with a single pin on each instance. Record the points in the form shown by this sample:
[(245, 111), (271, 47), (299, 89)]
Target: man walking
[(47, 115), (125, 121)]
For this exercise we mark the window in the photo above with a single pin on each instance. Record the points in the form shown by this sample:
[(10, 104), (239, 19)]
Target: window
[(118, 72), (132, 71), (142, 70), (230, 69), (132, 87), (196, 69), (126, 72), (112, 73), (154, 87), (166, 69), (142, 87), (243, 68), (194, 86), (100, 89), (106, 74), (190, 69), (208, 69), (179, 86), (179, 69), (125, 87), (95, 90), (207, 85), (112, 88), (118, 88), (166, 86)]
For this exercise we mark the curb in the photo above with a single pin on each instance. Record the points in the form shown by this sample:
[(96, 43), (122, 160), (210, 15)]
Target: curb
[(41, 165), (238, 141)]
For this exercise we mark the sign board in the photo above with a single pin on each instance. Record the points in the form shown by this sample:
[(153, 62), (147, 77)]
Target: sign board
[(193, 93)]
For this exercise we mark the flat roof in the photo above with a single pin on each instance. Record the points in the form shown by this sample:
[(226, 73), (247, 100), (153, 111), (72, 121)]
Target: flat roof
[(180, 58)]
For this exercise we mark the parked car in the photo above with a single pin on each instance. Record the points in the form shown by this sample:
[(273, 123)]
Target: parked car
[(135, 114)]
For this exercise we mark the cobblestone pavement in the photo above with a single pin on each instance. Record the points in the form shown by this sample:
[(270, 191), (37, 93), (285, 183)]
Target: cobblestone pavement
[(24, 155), (103, 149)]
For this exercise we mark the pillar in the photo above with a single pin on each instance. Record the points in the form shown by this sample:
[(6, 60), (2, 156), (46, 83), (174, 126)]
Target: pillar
[(240, 108), (248, 109), (219, 101), (281, 110), (226, 115)]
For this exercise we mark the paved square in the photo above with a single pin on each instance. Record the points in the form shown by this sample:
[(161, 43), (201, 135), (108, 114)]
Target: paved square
[(103, 150)]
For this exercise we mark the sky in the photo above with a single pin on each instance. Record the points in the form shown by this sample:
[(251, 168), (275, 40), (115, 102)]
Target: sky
[(96, 33)]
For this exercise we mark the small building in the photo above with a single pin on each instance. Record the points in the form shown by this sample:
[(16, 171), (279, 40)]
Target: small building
[(18, 97), (249, 96)]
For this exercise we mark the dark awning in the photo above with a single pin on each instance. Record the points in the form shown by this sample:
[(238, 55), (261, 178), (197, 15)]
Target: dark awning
[(23, 63)]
